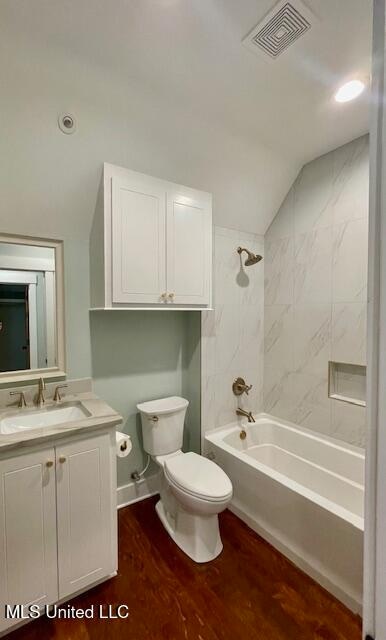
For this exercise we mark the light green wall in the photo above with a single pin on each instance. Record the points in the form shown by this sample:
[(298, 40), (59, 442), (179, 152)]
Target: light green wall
[(49, 184), (191, 380), (132, 356), (77, 304), (142, 355)]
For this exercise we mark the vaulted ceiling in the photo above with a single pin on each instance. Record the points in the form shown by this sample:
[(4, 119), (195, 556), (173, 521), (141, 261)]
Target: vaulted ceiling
[(191, 52), (192, 49)]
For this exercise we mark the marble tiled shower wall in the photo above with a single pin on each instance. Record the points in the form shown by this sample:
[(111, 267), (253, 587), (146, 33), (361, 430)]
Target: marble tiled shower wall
[(315, 292), (233, 334)]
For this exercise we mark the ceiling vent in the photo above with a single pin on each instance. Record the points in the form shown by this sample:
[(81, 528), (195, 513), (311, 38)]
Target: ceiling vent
[(280, 28)]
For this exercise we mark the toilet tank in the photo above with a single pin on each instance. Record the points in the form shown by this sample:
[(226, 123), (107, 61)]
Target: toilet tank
[(163, 424)]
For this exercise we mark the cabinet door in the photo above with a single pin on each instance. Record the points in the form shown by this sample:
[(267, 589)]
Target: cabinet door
[(189, 241), (28, 560), (138, 240), (85, 512)]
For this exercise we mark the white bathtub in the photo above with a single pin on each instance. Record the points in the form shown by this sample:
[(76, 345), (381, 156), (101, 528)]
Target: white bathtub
[(304, 493)]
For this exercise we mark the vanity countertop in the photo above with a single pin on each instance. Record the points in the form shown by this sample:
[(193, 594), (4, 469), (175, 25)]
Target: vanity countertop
[(101, 415)]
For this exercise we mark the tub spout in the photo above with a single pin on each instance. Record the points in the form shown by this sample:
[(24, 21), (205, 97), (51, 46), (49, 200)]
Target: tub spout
[(246, 414)]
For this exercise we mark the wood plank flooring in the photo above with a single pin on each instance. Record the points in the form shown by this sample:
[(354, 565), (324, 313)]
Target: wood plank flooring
[(250, 592)]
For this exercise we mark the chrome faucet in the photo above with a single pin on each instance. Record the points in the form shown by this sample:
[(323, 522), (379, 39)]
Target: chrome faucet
[(40, 399), (246, 414)]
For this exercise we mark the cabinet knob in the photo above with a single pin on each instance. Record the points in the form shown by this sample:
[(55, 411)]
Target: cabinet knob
[(49, 463), (171, 296), (62, 459), (163, 296)]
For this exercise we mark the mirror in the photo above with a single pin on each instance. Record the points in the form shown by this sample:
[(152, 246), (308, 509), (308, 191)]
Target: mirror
[(31, 308)]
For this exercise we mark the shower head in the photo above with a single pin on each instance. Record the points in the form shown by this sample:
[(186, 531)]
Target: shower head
[(252, 257)]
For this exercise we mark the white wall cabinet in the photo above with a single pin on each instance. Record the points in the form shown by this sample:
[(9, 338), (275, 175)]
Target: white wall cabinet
[(138, 251), (151, 244), (57, 521), (189, 248)]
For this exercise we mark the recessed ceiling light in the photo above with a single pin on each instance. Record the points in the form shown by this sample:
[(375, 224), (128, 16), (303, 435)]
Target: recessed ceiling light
[(349, 91)]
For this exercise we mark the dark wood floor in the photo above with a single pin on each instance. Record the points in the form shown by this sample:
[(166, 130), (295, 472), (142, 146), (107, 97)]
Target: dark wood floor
[(250, 592)]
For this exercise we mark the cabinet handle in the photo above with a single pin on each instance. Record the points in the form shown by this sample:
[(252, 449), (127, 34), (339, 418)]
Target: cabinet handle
[(49, 463), (62, 459)]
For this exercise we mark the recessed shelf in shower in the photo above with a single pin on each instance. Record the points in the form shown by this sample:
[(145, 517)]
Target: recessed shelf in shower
[(347, 382)]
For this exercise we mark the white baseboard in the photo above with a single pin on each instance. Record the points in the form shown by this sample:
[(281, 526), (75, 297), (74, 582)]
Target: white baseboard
[(135, 491)]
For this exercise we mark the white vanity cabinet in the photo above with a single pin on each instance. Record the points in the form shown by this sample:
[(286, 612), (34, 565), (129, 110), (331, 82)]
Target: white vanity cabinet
[(28, 560), (151, 244), (57, 520), (86, 508)]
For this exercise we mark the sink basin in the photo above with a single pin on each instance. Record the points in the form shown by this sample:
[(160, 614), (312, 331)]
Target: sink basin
[(43, 417)]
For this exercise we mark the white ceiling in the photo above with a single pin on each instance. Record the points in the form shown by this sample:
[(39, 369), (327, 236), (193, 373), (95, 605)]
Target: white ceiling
[(167, 88), (191, 49)]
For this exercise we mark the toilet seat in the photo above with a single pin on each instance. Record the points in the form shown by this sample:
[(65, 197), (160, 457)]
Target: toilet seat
[(198, 477)]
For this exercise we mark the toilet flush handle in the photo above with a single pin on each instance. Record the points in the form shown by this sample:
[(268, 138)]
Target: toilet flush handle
[(153, 418)]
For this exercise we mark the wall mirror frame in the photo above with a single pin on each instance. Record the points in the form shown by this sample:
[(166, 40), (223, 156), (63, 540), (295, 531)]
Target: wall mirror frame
[(58, 369)]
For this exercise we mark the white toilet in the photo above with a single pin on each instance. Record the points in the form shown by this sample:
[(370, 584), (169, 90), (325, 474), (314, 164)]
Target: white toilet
[(194, 490)]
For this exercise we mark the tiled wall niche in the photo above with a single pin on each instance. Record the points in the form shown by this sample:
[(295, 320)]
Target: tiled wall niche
[(347, 382), (315, 292)]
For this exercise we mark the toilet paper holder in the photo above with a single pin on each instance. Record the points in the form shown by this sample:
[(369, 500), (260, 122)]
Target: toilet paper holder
[(123, 444)]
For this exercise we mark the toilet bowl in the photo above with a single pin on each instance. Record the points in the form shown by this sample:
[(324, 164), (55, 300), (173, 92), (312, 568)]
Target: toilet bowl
[(198, 483), (193, 489)]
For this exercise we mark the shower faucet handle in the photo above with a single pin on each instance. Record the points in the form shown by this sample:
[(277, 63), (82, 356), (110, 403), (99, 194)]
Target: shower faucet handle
[(239, 387)]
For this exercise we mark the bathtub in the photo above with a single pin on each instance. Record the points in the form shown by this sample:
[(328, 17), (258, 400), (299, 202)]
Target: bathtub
[(304, 493)]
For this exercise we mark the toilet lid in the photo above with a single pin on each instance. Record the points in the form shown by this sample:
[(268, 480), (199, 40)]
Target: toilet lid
[(199, 476)]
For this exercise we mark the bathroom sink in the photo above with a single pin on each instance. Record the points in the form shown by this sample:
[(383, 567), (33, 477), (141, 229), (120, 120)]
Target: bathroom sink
[(43, 417)]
